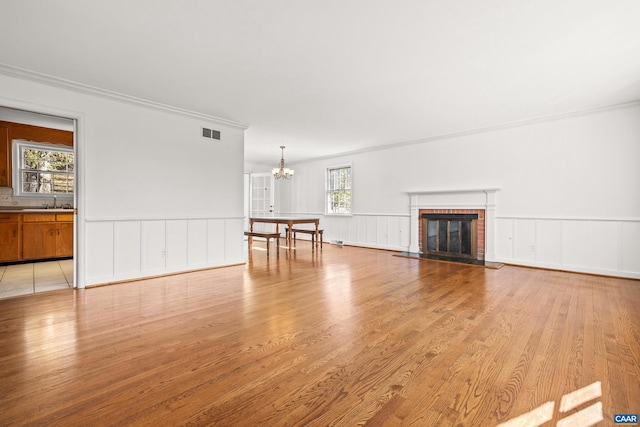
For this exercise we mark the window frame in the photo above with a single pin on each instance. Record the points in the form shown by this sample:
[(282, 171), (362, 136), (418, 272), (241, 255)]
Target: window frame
[(18, 146), (329, 191)]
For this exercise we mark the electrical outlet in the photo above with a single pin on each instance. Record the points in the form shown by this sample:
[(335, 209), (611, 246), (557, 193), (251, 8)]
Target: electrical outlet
[(533, 248), (5, 198)]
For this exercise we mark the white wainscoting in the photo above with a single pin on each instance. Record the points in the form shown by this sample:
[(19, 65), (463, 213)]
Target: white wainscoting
[(380, 231), (135, 248), (598, 246)]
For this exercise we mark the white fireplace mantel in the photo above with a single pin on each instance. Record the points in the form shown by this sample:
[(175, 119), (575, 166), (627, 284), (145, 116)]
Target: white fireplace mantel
[(456, 199)]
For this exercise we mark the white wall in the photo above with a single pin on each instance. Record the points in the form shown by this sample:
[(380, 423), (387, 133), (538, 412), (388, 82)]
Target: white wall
[(153, 196), (569, 190)]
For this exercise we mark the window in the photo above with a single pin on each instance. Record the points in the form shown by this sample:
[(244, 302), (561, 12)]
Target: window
[(339, 190), (42, 169)]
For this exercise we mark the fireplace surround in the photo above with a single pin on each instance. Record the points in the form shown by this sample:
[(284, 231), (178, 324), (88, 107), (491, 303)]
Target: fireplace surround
[(480, 202)]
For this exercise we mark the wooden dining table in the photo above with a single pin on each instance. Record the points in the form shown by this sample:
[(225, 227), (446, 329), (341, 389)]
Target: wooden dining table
[(289, 221)]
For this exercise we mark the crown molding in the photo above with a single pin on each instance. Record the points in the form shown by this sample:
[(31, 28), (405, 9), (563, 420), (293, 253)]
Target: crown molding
[(30, 75)]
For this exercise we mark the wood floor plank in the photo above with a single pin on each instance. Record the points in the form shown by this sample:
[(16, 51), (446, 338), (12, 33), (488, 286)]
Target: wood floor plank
[(515, 360), (344, 336)]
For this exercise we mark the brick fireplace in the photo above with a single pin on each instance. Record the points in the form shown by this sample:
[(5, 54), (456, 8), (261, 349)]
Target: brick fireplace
[(479, 205), (475, 217)]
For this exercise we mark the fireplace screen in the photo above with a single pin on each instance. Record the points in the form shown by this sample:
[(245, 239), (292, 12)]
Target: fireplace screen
[(450, 234)]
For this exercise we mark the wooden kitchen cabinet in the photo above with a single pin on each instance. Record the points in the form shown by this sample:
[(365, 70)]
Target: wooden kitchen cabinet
[(5, 157), (64, 235), (39, 240), (47, 235), (30, 236), (10, 237)]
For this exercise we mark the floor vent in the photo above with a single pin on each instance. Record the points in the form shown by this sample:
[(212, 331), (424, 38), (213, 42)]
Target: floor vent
[(210, 133)]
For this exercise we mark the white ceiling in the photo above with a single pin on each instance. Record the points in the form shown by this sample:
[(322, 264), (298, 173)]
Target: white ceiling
[(333, 76)]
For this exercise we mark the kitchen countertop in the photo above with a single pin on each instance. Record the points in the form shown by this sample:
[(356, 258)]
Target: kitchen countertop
[(9, 209)]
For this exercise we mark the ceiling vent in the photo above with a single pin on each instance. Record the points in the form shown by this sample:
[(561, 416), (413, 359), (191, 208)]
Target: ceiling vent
[(210, 133)]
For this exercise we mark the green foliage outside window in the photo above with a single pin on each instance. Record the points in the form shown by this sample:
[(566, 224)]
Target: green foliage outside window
[(45, 169), (339, 190)]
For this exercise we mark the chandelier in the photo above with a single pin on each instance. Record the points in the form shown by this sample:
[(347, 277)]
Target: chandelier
[(282, 171)]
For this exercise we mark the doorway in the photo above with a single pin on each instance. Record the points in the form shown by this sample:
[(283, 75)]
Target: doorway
[(29, 209), (261, 199)]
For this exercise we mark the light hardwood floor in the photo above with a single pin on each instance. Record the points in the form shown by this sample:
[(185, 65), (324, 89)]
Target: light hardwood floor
[(344, 336)]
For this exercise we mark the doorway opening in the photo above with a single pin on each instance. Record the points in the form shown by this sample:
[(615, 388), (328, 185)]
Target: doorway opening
[(37, 202)]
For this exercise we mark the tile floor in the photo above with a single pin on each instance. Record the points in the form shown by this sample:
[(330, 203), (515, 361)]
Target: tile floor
[(21, 279)]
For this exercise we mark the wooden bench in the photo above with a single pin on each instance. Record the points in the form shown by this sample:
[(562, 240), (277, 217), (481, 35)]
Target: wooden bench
[(307, 231), (267, 236)]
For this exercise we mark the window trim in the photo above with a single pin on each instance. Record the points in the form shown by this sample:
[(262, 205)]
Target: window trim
[(18, 145), (326, 189)]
